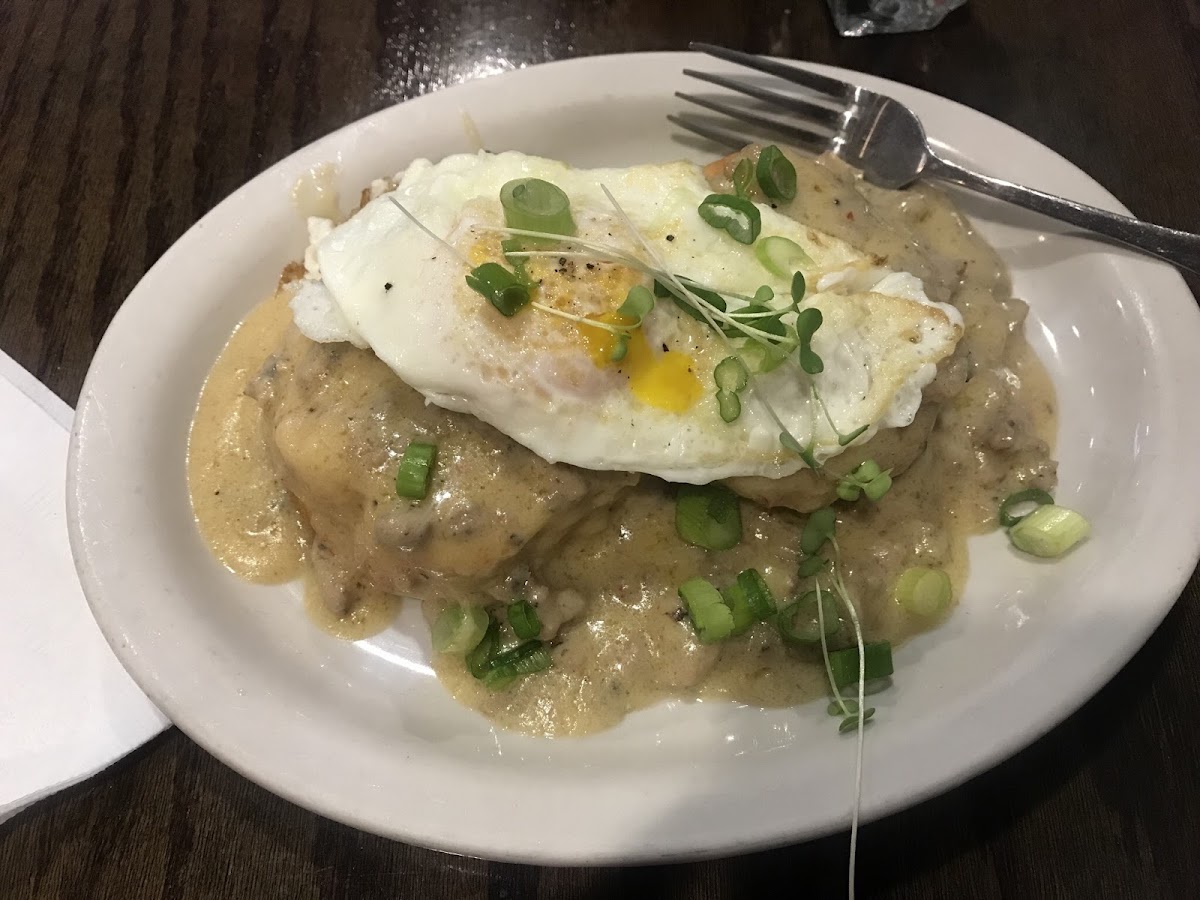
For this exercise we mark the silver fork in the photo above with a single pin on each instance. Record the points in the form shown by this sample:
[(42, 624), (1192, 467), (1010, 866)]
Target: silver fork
[(885, 139)]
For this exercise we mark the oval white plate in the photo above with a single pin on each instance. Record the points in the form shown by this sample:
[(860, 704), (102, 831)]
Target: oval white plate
[(362, 732)]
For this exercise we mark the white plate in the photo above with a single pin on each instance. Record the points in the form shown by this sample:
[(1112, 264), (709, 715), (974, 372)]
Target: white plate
[(362, 732)]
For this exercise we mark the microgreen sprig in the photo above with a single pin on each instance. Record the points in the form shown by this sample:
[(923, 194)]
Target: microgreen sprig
[(853, 712), (867, 478)]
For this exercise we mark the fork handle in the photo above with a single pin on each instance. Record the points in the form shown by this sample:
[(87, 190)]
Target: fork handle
[(1180, 248)]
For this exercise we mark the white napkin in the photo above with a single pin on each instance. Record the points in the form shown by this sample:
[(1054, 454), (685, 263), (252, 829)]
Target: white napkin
[(67, 708)]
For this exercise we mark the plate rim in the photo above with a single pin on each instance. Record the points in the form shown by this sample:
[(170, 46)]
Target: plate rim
[(162, 696)]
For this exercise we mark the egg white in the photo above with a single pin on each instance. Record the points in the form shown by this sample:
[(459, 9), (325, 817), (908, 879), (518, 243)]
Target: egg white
[(378, 280)]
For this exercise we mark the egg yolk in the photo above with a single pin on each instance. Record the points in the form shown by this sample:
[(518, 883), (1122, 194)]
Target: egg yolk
[(665, 381)]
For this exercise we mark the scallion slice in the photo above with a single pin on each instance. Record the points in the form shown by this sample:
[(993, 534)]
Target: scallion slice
[(502, 288), (480, 657), (735, 215), (711, 618), (1035, 496), (781, 256), (525, 659), (758, 594), (923, 591), (729, 405), (739, 608), (1049, 531), (459, 629), (532, 204), (776, 175), (708, 516), (524, 620), (412, 478), (877, 663), (800, 623), (730, 375)]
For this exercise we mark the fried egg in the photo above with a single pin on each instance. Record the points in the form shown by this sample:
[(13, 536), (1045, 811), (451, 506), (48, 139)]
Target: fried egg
[(396, 283)]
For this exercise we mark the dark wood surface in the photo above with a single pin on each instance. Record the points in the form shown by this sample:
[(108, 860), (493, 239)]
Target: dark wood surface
[(121, 123)]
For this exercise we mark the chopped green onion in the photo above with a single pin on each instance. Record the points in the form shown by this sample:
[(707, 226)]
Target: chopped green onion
[(807, 322), (412, 478), (459, 629), (743, 174), (638, 303), (758, 594), (781, 256), (739, 608), (525, 659), (524, 620), (531, 204), (498, 679), (479, 658), (729, 405), (776, 174), (502, 288), (1049, 531), (708, 516), (812, 565), (735, 215), (817, 530), (731, 375), (923, 591), (800, 622), (877, 663), (1036, 496), (711, 618)]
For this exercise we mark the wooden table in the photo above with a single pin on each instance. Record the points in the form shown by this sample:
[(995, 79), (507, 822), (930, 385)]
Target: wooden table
[(123, 122)]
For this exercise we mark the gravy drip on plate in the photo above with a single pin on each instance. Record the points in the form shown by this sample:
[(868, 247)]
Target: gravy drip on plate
[(245, 514), (601, 561)]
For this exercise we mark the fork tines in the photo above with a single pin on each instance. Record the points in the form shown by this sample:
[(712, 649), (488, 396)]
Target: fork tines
[(800, 137), (825, 118), (820, 84)]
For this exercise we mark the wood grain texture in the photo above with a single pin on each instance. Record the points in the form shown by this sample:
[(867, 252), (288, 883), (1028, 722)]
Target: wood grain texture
[(123, 122)]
